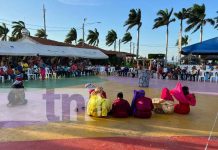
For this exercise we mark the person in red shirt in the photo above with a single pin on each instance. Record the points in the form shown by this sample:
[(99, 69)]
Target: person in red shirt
[(2, 73), (120, 107), (10, 73)]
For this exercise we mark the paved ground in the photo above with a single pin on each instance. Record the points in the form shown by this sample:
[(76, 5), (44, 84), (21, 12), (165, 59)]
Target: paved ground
[(160, 132)]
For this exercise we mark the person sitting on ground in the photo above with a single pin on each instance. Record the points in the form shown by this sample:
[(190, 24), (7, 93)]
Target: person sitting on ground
[(120, 107), (141, 106), (98, 106), (184, 97), (165, 104)]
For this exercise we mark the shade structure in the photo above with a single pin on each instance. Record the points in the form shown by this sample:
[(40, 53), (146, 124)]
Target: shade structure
[(32, 49), (208, 47), (17, 49)]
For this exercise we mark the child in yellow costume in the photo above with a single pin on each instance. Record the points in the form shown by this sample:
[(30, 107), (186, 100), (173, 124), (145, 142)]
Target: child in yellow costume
[(98, 105)]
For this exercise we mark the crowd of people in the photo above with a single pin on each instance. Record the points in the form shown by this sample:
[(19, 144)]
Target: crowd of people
[(40, 66), (141, 106), (173, 72)]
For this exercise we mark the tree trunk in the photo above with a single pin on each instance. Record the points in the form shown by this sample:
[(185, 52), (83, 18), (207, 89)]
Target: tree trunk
[(130, 46), (115, 45), (137, 51), (166, 45), (201, 34), (180, 42), (133, 48), (119, 45)]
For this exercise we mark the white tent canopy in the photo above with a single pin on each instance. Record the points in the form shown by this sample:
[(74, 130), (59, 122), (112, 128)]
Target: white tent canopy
[(30, 49)]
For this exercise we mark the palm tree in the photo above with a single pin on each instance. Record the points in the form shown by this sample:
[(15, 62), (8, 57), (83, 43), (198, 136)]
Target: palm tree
[(216, 19), (93, 37), (164, 20), (71, 36), (11, 38), (111, 38), (127, 38), (197, 20), (134, 19), (3, 32), (181, 15), (41, 33), (184, 41), (17, 26), (80, 41)]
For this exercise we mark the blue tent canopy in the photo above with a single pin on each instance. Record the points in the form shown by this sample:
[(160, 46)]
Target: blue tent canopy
[(208, 47)]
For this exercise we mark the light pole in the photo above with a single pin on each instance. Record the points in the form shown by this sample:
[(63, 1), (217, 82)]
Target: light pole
[(84, 30), (83, 27)]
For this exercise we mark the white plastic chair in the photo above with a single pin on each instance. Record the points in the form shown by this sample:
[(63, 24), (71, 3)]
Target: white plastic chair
[(47, 73), (102, 70), (54, 74), (111, 70), (2, 78), (30, 74), (165, 70), (214, 76), (130, 72), (202, 75)]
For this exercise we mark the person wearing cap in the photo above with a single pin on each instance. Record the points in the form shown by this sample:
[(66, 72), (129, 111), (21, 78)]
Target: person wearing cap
[(98, 105), (120, 107), (141, 106), (165, 104)]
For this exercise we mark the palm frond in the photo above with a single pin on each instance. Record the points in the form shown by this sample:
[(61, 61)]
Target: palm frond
[(163, 18), (126, 38), (41, 33), (211, 21), (111, 37), (133, 19), (197, 28), (93, 37)]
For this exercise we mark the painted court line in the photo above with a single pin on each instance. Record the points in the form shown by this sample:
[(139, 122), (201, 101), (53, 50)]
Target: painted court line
[(206, 93), (211, 132)]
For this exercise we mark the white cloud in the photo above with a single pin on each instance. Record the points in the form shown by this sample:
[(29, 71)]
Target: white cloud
[(81, 2)]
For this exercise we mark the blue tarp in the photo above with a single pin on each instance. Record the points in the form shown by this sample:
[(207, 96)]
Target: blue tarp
[(208, 47)]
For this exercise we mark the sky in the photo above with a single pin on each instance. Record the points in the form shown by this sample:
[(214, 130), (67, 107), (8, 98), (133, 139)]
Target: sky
[(61, 15)]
